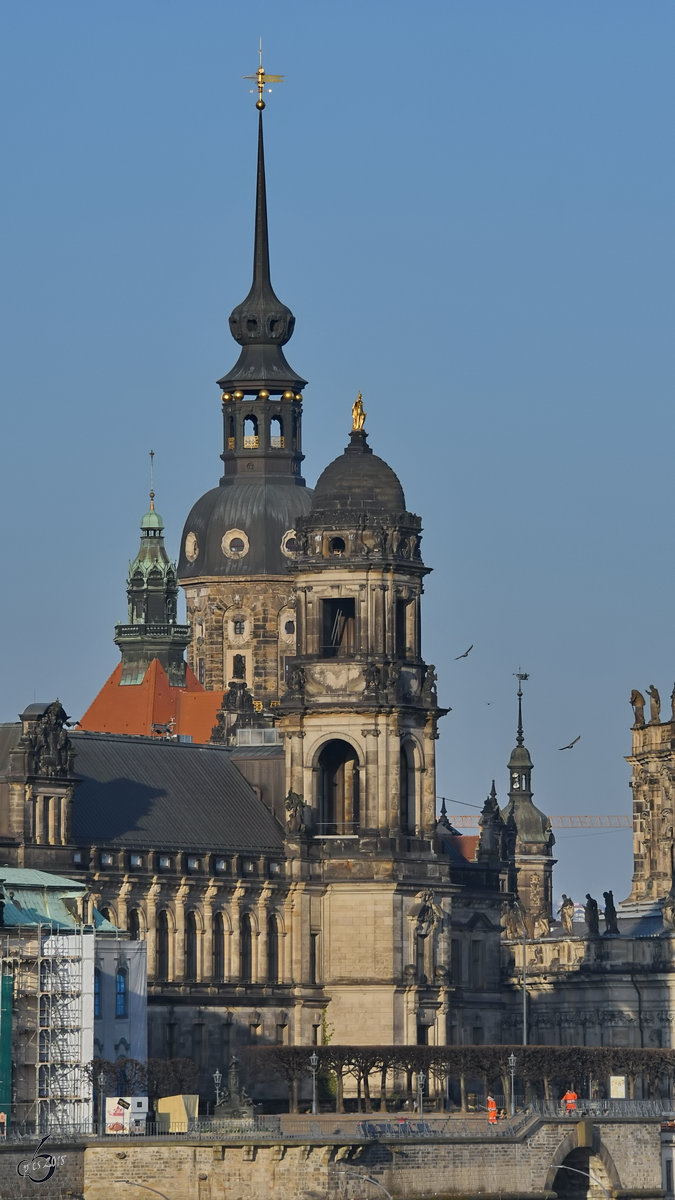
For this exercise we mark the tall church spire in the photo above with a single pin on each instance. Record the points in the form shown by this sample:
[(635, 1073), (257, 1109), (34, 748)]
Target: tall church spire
[(261, 324)]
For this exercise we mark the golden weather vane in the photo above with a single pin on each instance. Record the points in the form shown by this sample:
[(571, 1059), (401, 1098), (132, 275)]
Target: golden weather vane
[(261, 79)]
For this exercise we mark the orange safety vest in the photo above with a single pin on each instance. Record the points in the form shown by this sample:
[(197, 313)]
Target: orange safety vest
[(570, 1100), (492, 1110)]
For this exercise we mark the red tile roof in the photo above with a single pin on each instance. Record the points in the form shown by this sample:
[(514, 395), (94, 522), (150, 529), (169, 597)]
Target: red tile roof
[(135, 708)]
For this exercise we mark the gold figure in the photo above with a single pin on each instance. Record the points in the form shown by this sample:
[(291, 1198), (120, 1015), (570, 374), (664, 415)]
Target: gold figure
[(261, 78), (358, 414)]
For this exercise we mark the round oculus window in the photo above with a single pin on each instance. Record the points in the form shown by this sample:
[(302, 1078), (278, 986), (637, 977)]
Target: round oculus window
[(235, 544), (191, 547), (289, 544)]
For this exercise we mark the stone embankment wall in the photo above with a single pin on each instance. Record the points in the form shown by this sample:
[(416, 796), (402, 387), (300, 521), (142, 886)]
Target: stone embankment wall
[(625, 1153)]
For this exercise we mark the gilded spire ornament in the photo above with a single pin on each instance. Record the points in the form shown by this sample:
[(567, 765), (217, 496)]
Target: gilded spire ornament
[(261, 79)]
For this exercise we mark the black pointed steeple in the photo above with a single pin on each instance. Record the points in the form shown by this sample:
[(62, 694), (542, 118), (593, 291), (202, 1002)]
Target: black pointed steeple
[(261, 324)]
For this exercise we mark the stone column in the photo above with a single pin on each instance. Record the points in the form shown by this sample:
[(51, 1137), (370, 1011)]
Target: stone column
[(179, 937), (370, 815), (261, 971), (151, 937)]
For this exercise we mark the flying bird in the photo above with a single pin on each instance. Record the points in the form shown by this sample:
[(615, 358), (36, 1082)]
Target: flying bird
[(570, 744), (465, 654)]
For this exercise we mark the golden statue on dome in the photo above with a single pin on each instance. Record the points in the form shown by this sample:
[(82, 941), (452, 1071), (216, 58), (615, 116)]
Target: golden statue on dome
[(358, 414)]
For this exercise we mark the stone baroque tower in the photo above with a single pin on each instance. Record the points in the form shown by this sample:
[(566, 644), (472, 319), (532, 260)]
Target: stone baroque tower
[(359, 721), (239, 540), (653, 785)]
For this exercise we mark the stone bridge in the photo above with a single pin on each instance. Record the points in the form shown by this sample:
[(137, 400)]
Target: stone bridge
[(539, 1158)]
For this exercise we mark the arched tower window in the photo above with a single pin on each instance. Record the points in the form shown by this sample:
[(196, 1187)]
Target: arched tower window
[(218, 948), (276, 433), (246, 950), (230, 433), (191, 946), (134, 925), (273, 950), (338, 799), (250, 433), (163, 945), (407, 790)]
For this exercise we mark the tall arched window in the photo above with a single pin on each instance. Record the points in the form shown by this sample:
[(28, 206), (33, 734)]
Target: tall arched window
[(338, 788), (191, 946), (163, 945), (246, 950), (121, 996), (276, 433), (273, 950), (218, 948), (407, 790), (250, 433), (134, 924)]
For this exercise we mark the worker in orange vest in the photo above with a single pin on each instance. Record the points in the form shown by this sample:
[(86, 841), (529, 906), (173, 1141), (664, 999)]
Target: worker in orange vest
[(492, 1110), (570, 1100)]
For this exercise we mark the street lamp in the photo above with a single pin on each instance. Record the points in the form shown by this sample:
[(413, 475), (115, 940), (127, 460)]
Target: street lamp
[(421, 1080), (217, 1080), (313, 1063), (511, 1060), (100, 1080)]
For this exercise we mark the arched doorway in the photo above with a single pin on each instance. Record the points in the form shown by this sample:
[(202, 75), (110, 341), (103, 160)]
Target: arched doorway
[(339, 793)]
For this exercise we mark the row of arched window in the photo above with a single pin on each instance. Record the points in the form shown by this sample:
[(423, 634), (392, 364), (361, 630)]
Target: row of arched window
[(275, 432), (244, 971)]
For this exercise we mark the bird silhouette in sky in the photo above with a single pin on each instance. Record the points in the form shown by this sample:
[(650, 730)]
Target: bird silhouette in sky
[(570, 745), (465, 654)]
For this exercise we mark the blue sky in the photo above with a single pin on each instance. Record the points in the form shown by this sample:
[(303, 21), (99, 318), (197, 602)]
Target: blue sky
[(471, 210)]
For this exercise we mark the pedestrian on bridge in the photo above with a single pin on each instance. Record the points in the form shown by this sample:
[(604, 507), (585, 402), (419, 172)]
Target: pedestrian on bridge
[(570, 1100)]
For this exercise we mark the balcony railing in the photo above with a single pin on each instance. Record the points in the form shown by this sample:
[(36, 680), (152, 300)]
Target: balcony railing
[(277, 442), (251, 441)]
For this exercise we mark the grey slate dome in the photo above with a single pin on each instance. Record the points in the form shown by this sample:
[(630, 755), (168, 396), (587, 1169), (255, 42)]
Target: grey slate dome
[(262, 510), (358, 481)]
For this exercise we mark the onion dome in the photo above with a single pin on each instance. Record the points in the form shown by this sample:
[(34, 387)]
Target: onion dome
[(358, 481)]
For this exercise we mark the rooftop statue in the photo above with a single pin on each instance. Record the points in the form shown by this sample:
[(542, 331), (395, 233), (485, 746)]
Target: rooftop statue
[(358, 414), (638, 702), (611, 925), (654, 704), (566, 913), (591, 916)]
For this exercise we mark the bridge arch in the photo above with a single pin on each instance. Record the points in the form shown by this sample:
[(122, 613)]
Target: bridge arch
[(579, 1172)]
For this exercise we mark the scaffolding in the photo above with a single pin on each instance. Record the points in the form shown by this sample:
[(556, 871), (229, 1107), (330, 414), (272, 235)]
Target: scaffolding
[(53, 1026)]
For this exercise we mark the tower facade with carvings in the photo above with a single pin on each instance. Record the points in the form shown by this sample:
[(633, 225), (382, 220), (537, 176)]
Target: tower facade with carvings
[(653, 785), (239, 540)]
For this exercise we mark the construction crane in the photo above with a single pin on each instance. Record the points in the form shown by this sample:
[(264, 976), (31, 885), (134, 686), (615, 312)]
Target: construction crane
[(576, 821)]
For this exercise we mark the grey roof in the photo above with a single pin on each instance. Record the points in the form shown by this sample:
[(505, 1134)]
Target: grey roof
[(147, 792), (152, 793), (264, 509)]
